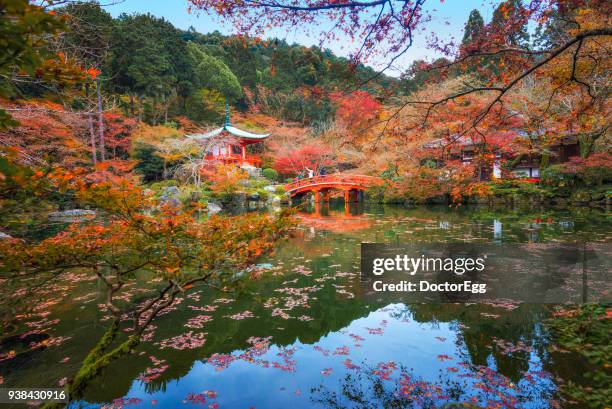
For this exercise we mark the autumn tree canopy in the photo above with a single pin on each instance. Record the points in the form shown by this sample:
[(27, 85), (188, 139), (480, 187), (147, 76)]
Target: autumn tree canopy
[(385, 29)]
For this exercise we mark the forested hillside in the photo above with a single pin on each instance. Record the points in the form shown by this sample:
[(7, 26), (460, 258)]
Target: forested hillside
[(154, 72)]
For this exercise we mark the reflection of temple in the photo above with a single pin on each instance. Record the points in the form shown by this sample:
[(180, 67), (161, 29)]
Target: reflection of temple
[(229, 144)]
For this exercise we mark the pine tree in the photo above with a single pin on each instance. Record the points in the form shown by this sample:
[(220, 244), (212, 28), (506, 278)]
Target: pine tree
[(473, 28), (510, 21)]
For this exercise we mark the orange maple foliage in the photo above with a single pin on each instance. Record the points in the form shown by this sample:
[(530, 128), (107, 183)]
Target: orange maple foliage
[(357, 110), (46, 133), (225, 178)]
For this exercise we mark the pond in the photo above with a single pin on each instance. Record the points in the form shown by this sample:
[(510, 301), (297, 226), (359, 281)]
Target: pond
[(301, 334)]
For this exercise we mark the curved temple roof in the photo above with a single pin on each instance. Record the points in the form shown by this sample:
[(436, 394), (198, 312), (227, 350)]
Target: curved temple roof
[(230, 129), (234, 131)]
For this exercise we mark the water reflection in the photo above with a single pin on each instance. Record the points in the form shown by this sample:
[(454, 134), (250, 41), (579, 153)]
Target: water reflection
[(331, 217), (307, 324)]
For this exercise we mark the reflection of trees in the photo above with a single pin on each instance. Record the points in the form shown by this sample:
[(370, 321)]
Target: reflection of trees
[(226, 335), (330, 311), (524, 224), (365, 390), (366, 387), (476, 333)]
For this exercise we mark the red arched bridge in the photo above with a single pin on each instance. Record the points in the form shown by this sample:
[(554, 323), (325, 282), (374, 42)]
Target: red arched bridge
[(320, 186)]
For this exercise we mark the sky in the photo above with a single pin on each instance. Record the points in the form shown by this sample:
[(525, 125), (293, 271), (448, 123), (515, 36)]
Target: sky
[(450, 18)]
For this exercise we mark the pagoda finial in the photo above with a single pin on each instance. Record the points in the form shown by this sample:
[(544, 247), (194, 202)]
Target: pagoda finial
[(227, 113)]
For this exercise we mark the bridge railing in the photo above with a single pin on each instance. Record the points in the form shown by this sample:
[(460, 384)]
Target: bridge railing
[(334, 178)]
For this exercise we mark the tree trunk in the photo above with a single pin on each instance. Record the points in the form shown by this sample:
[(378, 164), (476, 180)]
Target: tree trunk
[(132, 110), (139, 108), (92, 135), (166, 109), (96, 360), (154, 113), (544, 160), (101, 123), (585, 144)]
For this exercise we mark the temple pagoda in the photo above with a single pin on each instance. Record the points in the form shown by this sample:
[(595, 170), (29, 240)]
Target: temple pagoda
[(231, 143)]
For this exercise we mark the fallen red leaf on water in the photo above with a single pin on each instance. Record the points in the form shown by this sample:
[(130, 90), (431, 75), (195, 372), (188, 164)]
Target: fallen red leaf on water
[(350, 365), (195, 398), (452, 369), (343, 350)]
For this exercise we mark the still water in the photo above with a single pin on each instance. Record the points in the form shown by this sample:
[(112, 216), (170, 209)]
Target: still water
[(301, 336)]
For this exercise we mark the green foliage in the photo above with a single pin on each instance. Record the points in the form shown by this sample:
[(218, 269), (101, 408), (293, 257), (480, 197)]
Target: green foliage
[(213, 73), (205, 105), (149, 164), (163, 72), (596, 175), (473, 27), (258, 183), (376, 194), (6, 121), (149, 58), (270, 174), (390, 173), (278, 74), (511, 187), (158, 187), (22, 28), (416, 78), (188, 194), (23, 31), (557, 178), (586, 331), (89, 32), (23, 188), (512, 10), (263, 194)]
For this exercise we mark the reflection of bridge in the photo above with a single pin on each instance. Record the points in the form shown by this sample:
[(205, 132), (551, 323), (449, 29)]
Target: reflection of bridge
[(319, 186), (338, 223)]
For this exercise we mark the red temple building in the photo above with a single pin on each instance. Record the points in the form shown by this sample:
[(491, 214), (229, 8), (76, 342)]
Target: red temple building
[(229, 144)]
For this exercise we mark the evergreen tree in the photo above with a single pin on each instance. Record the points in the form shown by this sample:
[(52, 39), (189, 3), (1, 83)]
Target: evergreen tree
[(560, 20), (510, 23), (149, 59), (213, 73), (89, 33), (473, 28)]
